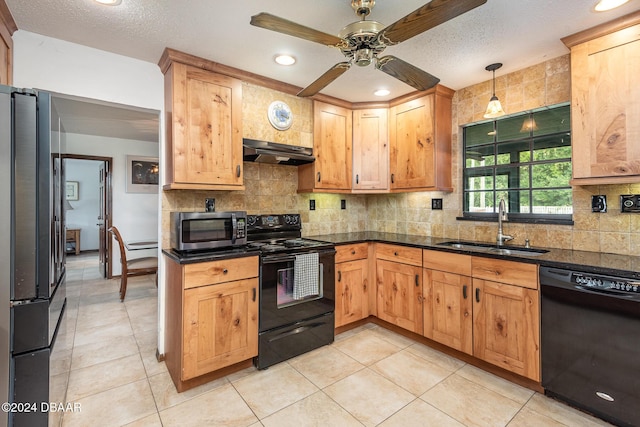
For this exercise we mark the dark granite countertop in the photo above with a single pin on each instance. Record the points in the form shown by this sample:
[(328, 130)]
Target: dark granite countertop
[(590, 262), (204, 256)]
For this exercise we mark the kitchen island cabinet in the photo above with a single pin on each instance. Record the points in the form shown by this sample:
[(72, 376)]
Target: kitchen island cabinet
[(420, 142), (399, 286), (332, 136), (352, 283), (605, 102), (212, 317), (203, 127)]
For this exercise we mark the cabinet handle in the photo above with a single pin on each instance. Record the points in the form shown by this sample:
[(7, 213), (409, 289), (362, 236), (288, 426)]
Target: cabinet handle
[(417, 280), (339, 276), (464, 291), (225, 271), (238, 171), (393, 178), (395, 253), (357, 179), (318, 176), (353, 252), (477, 294), (254, 294)]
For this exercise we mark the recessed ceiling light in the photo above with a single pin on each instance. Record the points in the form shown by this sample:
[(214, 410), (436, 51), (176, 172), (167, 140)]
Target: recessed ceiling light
[(285, 59), (604, 5), (109, 2), (381, 92)]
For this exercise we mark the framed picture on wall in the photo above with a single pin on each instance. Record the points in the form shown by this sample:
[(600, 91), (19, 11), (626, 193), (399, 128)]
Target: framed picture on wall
[(143, 174), (71, 190)]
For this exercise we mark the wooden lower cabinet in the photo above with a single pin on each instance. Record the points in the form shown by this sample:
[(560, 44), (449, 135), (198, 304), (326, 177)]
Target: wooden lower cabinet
[(211, 315), (399, 294), (352, 296), (506, 327)]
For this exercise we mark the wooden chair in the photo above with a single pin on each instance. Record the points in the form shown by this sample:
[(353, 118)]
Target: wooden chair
[(133, 267)]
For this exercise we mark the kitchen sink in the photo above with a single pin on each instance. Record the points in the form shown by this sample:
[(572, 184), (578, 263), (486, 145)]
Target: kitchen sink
[(493, 249)]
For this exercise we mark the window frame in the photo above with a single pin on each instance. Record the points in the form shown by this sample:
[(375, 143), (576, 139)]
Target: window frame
[(529, 139)]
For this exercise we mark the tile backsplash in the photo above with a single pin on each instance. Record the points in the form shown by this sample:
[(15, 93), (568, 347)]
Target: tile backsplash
[(273, 188)]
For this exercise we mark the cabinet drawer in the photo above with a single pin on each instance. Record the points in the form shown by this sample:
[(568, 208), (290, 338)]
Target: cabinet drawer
[(513, 273), (212, 272), (403, 254), (446, 261), (352, 252)]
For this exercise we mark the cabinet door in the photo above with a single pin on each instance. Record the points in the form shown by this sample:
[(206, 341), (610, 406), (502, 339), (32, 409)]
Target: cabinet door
[(370, 149), (413, 144), (352, 296), (207, 121), (448, 309), (332, 127), (606, 105), (399, 294), (220, 326), (506, 327)]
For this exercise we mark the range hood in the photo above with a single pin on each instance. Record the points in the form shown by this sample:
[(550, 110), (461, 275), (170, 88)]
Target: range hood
[(271, 152)]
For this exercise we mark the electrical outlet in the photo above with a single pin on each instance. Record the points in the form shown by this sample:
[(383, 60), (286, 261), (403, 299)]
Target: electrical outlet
[(312, 205), (599, 203), (343, 204), (436, 204)]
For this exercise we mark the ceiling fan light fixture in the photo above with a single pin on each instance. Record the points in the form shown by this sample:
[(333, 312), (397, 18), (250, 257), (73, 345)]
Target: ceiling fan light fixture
[(284, 59), (494, 109), (109, 2), (604, 5)]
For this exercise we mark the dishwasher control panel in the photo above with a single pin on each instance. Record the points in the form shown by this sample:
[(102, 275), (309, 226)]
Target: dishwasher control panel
[(605, 283)]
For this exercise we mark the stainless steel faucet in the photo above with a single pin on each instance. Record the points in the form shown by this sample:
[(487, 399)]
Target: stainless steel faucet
[(502, 216)]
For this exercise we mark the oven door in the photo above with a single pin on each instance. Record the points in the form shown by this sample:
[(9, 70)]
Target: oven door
[(278, 306)]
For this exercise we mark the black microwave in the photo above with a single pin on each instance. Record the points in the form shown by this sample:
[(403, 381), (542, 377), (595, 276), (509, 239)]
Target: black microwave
[(195, 231)]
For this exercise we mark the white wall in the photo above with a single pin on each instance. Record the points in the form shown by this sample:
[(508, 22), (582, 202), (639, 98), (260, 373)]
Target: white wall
[(54, 65), (87, 208)]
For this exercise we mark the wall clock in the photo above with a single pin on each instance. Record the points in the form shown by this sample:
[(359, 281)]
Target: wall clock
[(280, 115)]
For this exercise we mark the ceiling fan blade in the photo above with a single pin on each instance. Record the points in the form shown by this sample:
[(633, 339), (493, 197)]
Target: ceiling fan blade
[(284, 26), (322, 81), (428, 16), (407, 73)]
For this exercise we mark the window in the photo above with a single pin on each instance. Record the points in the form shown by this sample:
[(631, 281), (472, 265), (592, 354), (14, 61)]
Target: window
[(525, 159)]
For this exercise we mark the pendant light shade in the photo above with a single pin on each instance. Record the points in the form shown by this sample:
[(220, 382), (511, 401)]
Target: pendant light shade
[(494, 109)]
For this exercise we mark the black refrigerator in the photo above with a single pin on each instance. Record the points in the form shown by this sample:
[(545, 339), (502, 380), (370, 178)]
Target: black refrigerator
[(32, 258)]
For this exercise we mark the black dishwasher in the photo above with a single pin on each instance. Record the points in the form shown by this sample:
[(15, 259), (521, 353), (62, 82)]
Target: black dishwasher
[(591, 342)]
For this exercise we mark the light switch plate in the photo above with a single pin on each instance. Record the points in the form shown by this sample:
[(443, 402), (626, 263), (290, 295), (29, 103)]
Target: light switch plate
[(630, 203), (312, 205)]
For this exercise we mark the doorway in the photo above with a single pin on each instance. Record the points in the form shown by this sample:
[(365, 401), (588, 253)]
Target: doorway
[(89, 206)]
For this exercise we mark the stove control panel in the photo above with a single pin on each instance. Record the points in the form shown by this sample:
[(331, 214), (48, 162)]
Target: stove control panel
[(270, 222), (606, 283)]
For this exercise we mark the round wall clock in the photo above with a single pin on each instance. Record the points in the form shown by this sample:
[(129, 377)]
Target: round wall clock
[(280, 115)]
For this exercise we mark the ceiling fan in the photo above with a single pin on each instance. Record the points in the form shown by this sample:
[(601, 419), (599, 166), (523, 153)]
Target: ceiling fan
[(362, 41)]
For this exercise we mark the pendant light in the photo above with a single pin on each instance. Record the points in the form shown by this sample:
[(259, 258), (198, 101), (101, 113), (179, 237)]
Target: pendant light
[(494, 109)]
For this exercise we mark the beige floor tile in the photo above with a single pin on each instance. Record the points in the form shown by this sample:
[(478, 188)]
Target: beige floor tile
[(103, 311), (470, 403), (114, 407), (528, 418), (166, 395), (103, 351), (314, 365), (272, 389), (561, 412), (354, 331), (395, 339), (366, 347), (149, 421), (147, 340), (106, 318), (368, 396), (151, 364), (436, 357), (104, 376), (499, 385), (315, 410), (220, 407), (420, 414), (411, 372), (144, 323), (102, 333)]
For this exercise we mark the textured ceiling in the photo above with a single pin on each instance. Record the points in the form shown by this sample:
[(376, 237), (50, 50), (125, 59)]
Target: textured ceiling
[(518, 33)]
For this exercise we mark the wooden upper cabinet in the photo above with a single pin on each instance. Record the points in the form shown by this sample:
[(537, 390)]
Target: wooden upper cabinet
[(420, 142), (370, 150), (7, 28), (204, 129), (332, 127), (605, 102)]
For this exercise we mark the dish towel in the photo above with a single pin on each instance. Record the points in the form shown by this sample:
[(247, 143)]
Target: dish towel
[(305, 275)]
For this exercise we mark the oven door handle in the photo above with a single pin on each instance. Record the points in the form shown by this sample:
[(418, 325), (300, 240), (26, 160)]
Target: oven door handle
[(273, 259), (295, 331)]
